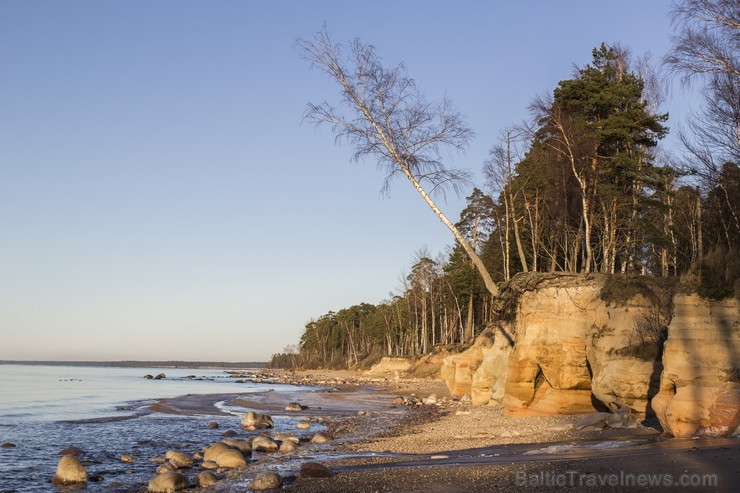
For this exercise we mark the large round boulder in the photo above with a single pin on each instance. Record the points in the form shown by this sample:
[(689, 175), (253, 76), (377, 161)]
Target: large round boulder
[(70, 471), (286, 436), (214, 450), (295, 406), (266, 481), (179, 459), (288, 446), (240, 444), (165, 467), (207, 478), (255, 421), (231, 459), (264, 444), (168, 482), (321, 437)]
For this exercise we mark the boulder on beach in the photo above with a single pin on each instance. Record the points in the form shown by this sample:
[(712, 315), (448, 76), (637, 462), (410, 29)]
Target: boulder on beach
[(264, 444), (70, 471), (266, 481), (209, 464), (165, 467), (592, 421), (295, 406), (303, 425), (207, 478), (231, 459), (179, 459), (229, 434), (254, 421), (315, 470), (321, 437), (71, 451), (288, 446), (168, 482), (214, 450), (240, 444), (286, 436)]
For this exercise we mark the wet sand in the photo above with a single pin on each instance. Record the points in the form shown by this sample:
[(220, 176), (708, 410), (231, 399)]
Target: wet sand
[(714, 465)]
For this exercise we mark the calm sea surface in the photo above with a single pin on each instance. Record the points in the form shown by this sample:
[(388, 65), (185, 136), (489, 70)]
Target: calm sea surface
[(41, 409)]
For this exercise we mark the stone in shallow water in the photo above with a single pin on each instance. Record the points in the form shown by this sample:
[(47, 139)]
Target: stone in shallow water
[(266, 481), (231, 459), (70, 471), (166, 467), (288, 446), (168, 482), (295, 406), (253, 420), (127, 458), (8, 445), (240, 444), (265, 444), (179, 459), (214, 450)]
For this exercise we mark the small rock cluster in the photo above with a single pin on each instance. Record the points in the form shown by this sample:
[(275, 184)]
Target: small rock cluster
[(290, 378), (215, 459), (416, 402), (621, 418)]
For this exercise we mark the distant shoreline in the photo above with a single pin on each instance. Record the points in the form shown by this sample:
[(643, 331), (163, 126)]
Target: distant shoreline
[(195, 365)]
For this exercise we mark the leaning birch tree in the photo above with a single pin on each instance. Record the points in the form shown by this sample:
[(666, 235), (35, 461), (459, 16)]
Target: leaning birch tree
[(383, 115)]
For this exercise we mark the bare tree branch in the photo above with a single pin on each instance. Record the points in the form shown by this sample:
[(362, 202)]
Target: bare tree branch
[(383, 115)]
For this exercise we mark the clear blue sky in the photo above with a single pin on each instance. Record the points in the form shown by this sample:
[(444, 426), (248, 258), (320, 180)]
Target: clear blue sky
[(160, 197)]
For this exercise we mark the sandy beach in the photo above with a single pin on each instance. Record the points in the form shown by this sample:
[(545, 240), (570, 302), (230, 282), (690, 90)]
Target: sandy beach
[(452, 446)]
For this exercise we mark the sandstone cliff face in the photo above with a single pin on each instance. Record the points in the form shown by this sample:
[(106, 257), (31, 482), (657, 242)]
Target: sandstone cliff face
[(457, 370), (547, 369), (390, 365), (625, 373), (489, 380), (575, 353), (699, 389)]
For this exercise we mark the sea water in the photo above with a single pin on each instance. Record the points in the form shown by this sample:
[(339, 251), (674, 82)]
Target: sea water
[(44, 409)]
